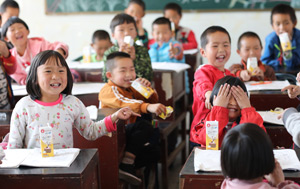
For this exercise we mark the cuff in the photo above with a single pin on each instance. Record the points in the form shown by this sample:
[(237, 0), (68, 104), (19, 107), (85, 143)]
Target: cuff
[(238, 74), (287, 113), (110, 126), (144, 107)]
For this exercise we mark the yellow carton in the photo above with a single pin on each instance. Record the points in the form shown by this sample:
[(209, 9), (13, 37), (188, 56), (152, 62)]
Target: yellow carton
[(86, 58), (145, 91), (168, 113), (285, 42), (46, 141), (251, 64), (212, 135)]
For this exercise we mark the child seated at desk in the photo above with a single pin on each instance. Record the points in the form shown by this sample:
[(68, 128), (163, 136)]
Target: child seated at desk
[(231, 106), (283, 20), (247, 158), (16, 31), (123, 25), (49, 85), (249, 46), (118, 93)]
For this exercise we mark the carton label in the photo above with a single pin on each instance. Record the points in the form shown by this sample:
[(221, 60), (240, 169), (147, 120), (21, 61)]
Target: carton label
[(212, 135), (145, 91), (285, 42), (46, 142), (251, 64)]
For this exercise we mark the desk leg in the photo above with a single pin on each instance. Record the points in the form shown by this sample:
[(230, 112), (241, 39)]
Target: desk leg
[(164, 161), (183, 138)]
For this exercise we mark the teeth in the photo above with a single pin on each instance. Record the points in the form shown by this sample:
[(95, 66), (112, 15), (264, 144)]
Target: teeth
[(55, 85), (221, 57)]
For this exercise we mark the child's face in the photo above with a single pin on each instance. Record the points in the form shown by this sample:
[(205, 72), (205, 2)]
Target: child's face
[(234, 109), (283, 23), (100, 46), (123, 73), (250, 47), (52, 80), (136, 11), (17, 34), (9, 12), (173, 16), (217, 50), (161, 33), (123, 30)]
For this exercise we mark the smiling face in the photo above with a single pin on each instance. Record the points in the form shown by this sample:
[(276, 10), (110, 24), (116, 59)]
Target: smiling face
[(123, 73), (52, 80), (282, 23), (173, 16), (9, 12), (234, 109), (17, 34), (217, 50), (161, 33), (250, 47), (135, 10), (123, 30)]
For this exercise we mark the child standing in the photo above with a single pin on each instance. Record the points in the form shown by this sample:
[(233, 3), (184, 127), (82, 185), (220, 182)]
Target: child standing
[(215, 46), (136, 9), (231, 106), (283, 20), (118, 93), (184, 35), (247, 157), (49, 85), (249, 46), (124, 25)]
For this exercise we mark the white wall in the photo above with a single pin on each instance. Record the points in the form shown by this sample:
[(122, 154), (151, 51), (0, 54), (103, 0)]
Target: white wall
[(76, 29)]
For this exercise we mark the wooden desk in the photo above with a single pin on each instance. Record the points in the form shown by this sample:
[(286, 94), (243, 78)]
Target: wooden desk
[(188, 178), (84, 172)]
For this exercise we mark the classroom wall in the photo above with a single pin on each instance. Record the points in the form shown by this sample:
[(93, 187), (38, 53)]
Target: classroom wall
[(76, 29)]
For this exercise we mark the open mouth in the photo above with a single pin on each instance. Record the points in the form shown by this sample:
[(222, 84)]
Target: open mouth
[(220, 58), (55, 85), (19, 37)]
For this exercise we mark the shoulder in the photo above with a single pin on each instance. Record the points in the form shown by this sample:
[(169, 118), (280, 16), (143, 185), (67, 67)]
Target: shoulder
[(272, 36), (36, 40), (185, 29), (23, 102), (139, 48)]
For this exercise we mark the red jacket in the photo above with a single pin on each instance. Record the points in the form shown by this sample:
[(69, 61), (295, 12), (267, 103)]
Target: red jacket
[(205, 78), (187, 37), (248, 115)]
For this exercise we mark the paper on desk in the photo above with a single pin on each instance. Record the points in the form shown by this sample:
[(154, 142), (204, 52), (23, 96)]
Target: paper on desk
[(177, 67), (93, 111), (270, 117), (209, 160), (80, 65), (14, 157), (274, 85)]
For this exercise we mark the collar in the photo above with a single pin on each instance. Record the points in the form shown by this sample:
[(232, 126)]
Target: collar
[(50, 103)]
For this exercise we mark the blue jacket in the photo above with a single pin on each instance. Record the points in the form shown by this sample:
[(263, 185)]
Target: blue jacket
[(273, 56)]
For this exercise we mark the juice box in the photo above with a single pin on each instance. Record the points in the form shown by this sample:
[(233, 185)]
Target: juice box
[(128, 40), (285, 42), (212, 135), (86, 58), (168, 113), (46, 140), (251, 63), (145, 91)]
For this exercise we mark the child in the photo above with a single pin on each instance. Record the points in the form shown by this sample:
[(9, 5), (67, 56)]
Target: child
[(136, 9), (231, 106), (283, 19), (215, 43), (9, 9), (165, 49), (49, 85), (16, 31), (184, 35), (118, 93), (100, 43), (124, 25), (247, 157), (249, 45)]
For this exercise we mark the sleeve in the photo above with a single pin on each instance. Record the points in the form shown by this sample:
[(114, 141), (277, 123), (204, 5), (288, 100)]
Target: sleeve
[(153, 54), (291, 120), (46, 45), (10, 64), (249, 115), (202, 83), (106, 53), (89, 129), (269, 73), (288, 184), (20, 74), (142, 63), (192, 42), (217, 113), (269, 57), (236, 69)]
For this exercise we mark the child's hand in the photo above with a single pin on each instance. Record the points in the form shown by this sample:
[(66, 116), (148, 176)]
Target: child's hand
[(173, 51), (3, 49), (62, 52), (293, 90), (276, 176), (241, 97), (245, 75), (128, 49), (156, 108), (258, 73), (144, 82), (124, 114), (223, 96), (281, 114), (207, 98)]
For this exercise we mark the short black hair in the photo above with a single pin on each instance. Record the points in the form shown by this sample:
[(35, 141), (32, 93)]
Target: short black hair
[(121, 19), (111, 59), (8, 3), (162, 20), (247, 152), (11, 21), (173, 6), (284, 9), (100, 35), (245, 35), (138, 2), (210, 30), (32, 87)]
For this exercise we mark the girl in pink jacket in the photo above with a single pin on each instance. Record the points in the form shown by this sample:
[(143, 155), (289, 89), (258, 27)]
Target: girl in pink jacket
[(16, 31)]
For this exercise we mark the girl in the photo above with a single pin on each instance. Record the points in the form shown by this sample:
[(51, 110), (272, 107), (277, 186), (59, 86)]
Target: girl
[(231, 106), (16, 31), (246, 156), (49, 85)]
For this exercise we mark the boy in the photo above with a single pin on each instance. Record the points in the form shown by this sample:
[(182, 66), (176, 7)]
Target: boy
[(124, 25), (136, 9), (100, 43), (249, 45), (215, 46), (118, 93), (184, 35), (283, 20)]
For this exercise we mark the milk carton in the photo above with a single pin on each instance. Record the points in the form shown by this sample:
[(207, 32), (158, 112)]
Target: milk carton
[(86, 58), (168, 113), (286, 46), (145, 91), (251, 64), (128, 40), (212, 135), (46, 140)]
